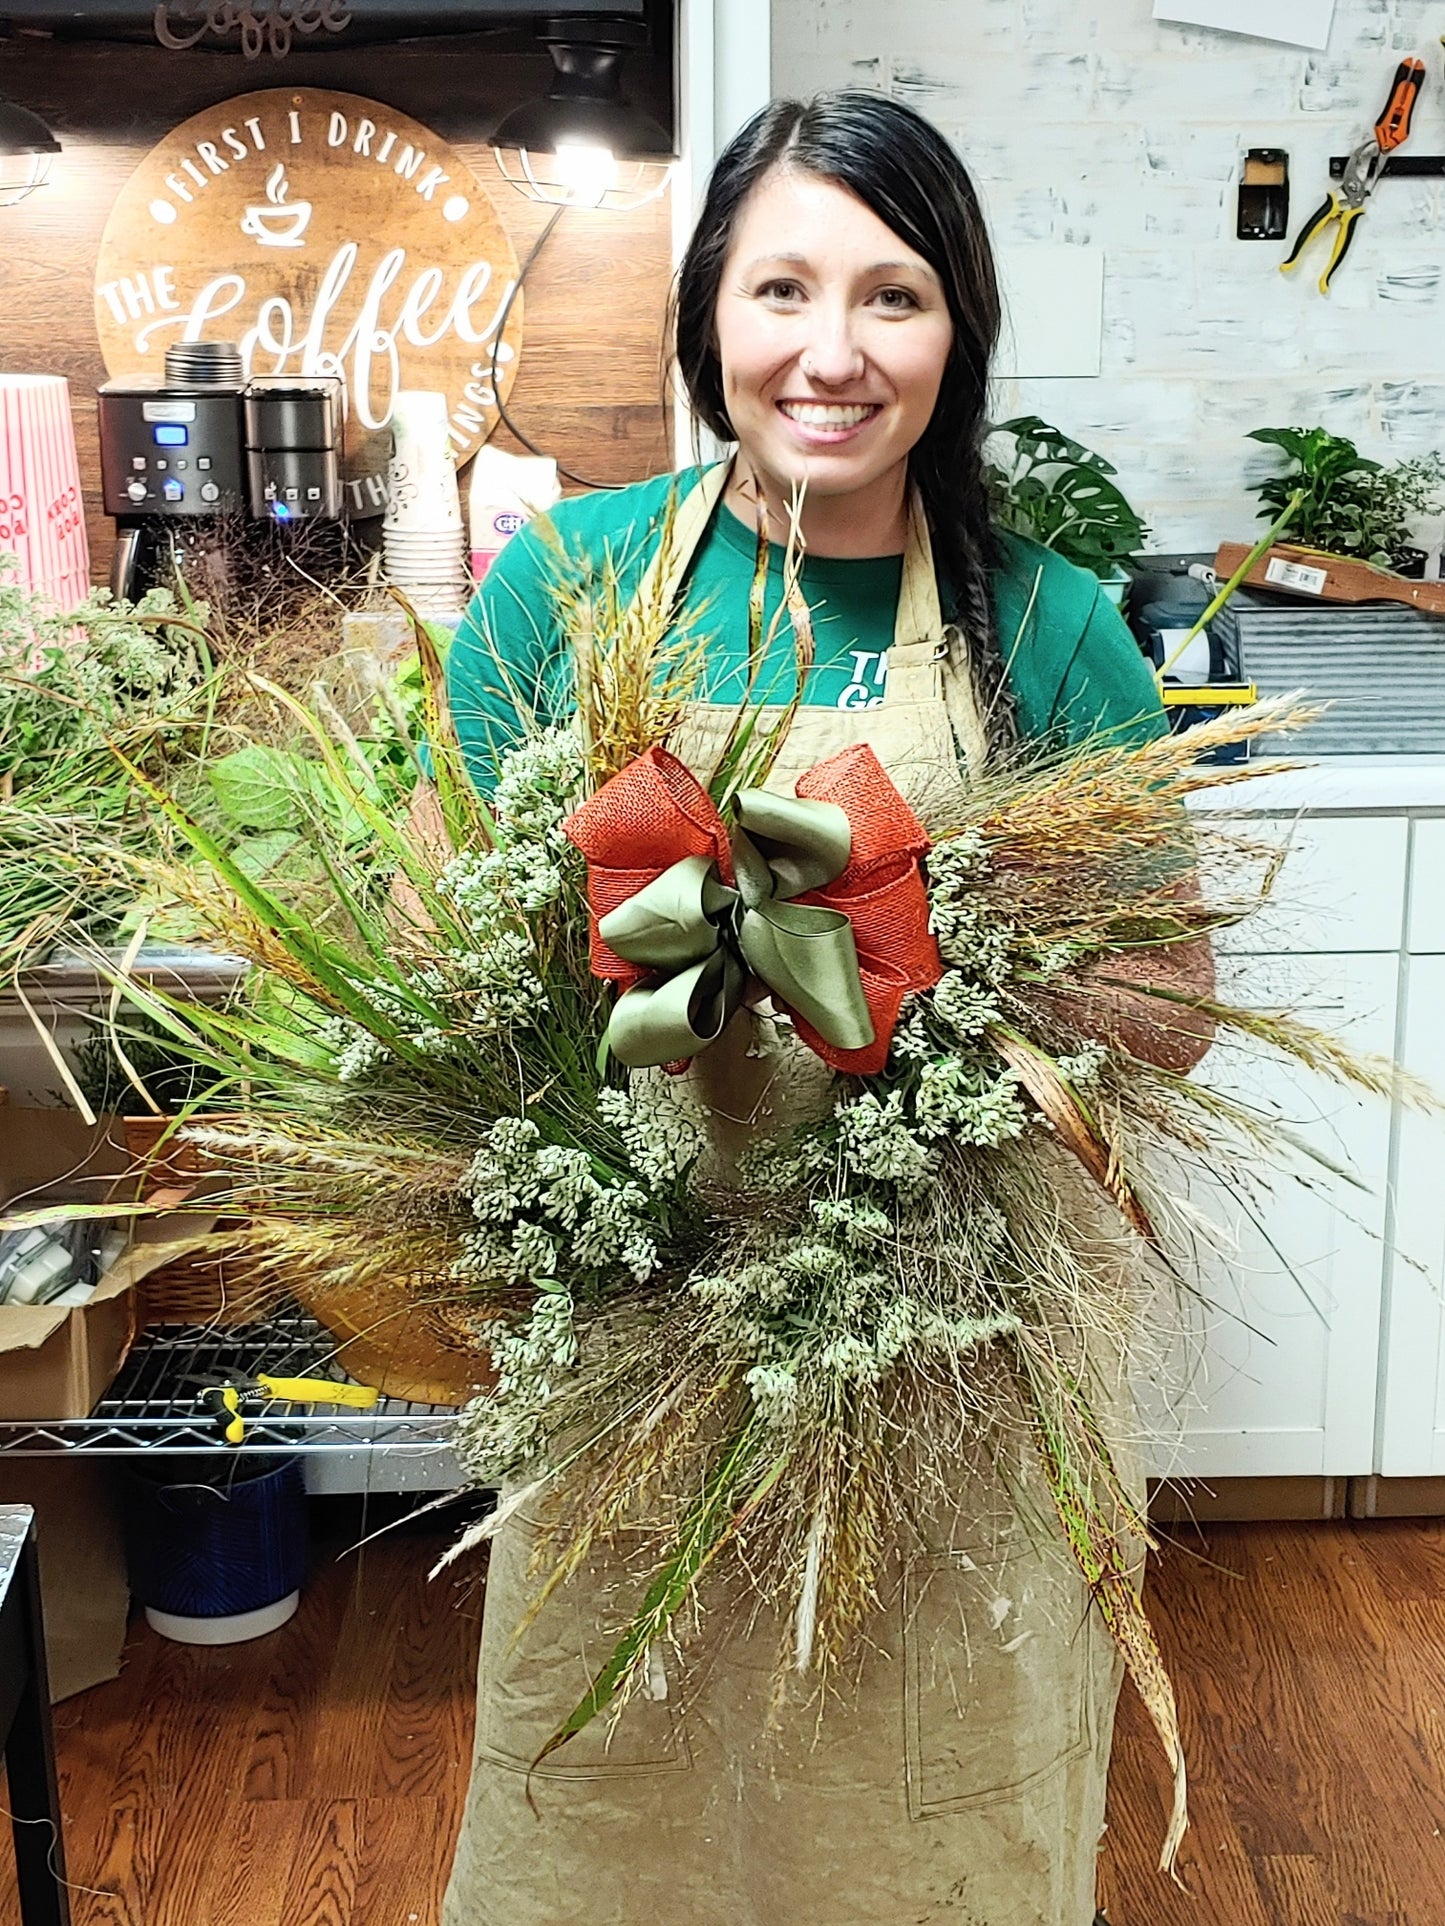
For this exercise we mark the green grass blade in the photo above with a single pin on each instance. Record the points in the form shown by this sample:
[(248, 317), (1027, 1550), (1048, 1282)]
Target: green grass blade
[(467, 819), (330, 968), (708, 1526)]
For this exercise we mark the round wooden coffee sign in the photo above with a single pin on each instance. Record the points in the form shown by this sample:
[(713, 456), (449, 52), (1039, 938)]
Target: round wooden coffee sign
[(327, 235)]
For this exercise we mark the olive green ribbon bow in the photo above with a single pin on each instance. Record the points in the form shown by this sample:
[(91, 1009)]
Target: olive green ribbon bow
[(701, 938)]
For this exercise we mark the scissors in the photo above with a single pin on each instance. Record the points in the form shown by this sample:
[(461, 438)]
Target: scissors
[(1362, 171), (224, 1393)]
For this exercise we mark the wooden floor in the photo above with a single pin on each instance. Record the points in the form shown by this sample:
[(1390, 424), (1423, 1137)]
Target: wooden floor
[(314, 1778), (1310, 1665)]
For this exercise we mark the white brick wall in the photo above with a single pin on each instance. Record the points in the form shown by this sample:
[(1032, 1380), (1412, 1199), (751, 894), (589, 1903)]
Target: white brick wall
[(1090, 123)]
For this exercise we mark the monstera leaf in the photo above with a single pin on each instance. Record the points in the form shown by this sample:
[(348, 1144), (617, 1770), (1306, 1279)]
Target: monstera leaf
[(1055, 490)]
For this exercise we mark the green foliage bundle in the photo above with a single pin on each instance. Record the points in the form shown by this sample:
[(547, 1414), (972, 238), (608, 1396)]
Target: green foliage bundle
[(1350, 505), (96, 699), (69, 682), (267, 796), (73, 688)]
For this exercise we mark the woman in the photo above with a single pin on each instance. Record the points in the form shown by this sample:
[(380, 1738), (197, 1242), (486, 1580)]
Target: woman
[(836, 314)]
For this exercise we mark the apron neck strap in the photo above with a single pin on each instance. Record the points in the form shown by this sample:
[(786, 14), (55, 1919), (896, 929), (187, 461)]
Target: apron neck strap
[(921, 644), (919, 619), (918, 626)]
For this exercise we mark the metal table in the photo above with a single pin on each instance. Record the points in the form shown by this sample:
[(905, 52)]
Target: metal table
[(25, 1723)]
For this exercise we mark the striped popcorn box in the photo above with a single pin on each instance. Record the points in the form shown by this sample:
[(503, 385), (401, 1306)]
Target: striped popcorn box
[(42, 515)]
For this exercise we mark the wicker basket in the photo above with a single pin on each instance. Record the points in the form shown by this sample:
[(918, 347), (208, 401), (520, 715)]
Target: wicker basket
[(387, 1336), (212, 1286)]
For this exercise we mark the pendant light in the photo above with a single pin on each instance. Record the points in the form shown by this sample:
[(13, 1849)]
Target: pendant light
[(26, 145), (582, 143)]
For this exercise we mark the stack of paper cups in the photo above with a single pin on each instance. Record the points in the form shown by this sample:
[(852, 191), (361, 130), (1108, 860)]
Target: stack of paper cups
[(422, 537), (42, 517)]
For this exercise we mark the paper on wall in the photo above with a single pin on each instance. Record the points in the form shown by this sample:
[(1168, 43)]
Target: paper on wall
[(1300, 23), (1053, 302)]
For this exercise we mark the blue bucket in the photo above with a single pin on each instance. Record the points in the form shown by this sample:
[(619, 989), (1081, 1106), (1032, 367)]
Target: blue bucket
[(216, 1551)]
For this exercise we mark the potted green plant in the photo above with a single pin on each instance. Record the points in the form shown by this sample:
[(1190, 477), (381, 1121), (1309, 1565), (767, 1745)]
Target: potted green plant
[(75, 686), (1056, 491), (1350, 505)]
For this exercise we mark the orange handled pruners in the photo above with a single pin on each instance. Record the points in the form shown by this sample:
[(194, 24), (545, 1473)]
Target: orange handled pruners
[(1362, 171)]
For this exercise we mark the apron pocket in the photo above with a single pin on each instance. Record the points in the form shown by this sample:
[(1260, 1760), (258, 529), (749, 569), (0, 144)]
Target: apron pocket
[(529, 1684), (1000, 1675)]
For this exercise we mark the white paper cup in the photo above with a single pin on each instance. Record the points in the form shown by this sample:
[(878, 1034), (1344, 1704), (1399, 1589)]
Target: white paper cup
[(422, 477)]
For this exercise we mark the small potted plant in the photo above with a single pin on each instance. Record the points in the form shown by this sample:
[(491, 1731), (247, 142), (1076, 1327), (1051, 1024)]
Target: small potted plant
[(1350, 505), (1054, 490)]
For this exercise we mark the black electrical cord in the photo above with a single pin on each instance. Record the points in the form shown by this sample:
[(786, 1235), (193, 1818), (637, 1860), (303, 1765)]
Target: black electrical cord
[(526, 440)]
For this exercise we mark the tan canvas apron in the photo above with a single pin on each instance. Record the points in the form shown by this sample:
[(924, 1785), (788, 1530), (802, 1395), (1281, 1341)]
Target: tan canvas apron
[(959, 1776)]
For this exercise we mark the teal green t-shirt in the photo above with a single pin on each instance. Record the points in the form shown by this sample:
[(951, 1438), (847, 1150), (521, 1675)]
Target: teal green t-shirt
[(1075, 670)]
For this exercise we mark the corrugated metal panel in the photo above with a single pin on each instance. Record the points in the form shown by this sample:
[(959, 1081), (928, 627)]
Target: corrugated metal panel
[(1382, 670)]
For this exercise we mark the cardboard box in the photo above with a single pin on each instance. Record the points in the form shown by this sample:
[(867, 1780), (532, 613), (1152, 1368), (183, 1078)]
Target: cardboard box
[(57, 1362), (83, 1590)]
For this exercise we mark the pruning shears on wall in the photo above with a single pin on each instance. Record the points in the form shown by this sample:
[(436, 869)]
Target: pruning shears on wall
[(1362, 172), (224, 1396)]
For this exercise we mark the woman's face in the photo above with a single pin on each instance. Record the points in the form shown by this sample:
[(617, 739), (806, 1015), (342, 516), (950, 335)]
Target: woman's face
[(833, 336)]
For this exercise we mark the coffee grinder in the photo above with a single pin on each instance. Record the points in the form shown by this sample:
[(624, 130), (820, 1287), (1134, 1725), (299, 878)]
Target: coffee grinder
[(293, 434)]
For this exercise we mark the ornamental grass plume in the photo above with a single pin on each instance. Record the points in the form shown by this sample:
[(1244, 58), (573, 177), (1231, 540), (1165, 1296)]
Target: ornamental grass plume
[(764, 1381), (635, 664)]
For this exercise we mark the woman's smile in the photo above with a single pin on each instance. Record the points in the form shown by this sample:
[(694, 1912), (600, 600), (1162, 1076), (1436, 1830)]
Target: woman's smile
[(827, 423)]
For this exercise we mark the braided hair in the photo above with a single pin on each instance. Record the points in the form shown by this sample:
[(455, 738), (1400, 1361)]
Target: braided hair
[(902, 168)]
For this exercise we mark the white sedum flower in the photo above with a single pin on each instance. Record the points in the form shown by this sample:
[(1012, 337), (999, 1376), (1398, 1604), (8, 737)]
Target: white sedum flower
[(966, 1007), (662, 1143), (538, 784), (1082, 1069), (558, 1215), (776, 1393), (878, 1143), (957, 1099)]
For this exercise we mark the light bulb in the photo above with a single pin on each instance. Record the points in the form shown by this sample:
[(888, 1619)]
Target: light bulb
[(586, 172), (21, 174)]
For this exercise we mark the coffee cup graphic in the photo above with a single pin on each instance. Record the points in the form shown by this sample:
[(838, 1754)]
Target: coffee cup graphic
[(277, 221)]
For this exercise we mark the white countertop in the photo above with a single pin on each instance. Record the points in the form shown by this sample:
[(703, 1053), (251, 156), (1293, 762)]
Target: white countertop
[(1344, 783)]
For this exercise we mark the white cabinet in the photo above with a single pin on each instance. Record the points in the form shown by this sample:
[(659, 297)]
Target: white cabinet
[(1342, 887), (1275, 1372), (1320, 1351), (1411, 1430), (1412, 1405), (1426, 932)]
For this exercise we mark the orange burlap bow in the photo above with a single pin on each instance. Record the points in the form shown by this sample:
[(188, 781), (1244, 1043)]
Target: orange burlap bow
[(655, 813)]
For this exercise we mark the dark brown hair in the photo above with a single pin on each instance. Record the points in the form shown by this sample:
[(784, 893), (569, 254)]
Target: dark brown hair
[(902, 168)]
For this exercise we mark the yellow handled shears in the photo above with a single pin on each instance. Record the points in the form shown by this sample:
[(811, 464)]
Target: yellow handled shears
[(223, 1397), (1362, 172)]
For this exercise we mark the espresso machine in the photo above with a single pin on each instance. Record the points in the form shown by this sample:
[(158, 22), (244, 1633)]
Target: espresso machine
[(172, 462), (186, 458)]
